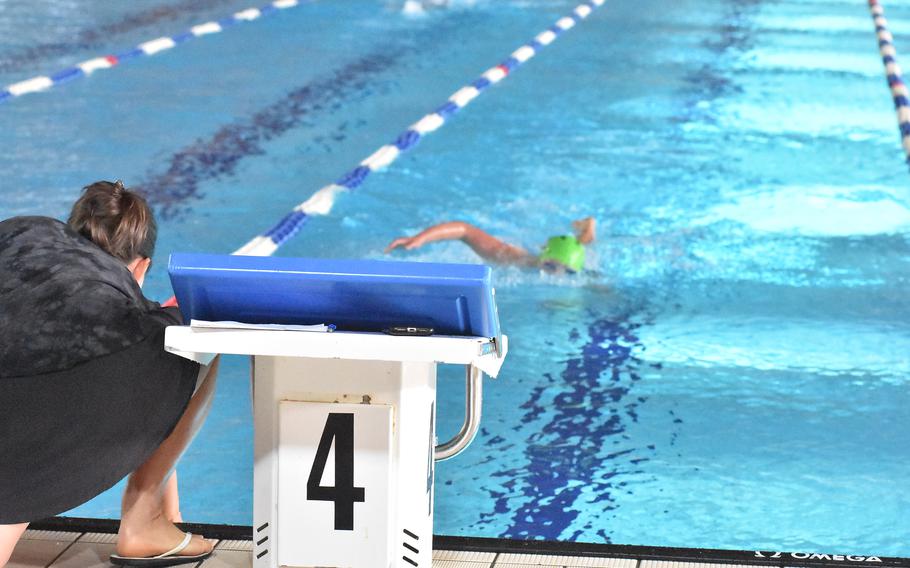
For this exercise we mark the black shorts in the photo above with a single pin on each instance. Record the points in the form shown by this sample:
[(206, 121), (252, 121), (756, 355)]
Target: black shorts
[(67, 436)]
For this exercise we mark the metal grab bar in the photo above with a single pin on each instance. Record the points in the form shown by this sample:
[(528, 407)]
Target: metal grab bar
[(473, 403)]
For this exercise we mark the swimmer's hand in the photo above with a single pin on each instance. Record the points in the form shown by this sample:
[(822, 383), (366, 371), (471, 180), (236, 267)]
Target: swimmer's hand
[(408, 243), (585, 230)]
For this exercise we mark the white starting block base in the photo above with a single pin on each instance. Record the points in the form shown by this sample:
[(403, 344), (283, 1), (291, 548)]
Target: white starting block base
[(382, 427), (344, 440)]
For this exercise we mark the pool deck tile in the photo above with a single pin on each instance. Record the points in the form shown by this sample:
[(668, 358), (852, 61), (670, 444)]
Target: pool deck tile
[(238, 545), (226, 558), (47, 549), (589, 562), (230, 554), (61, 536), (91, 550), (464, 556), (459, 564), (571, 561), (52, 549), (38, 549)]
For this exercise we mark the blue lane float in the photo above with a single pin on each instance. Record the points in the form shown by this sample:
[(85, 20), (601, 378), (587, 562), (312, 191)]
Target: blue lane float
[(42, 83), (899, 92), (321, 202)]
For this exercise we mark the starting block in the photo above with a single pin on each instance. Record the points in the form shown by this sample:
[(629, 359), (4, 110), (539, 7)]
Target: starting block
[(344, 420)]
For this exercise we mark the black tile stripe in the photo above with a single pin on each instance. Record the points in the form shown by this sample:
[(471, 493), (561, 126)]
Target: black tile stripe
[(670, 554), (411, 548), (259, 543), (410, 534), (409, 561), (80, 524), (262, 528)]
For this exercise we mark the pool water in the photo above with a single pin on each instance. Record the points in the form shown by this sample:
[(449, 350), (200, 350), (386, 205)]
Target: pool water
[(731, 371)]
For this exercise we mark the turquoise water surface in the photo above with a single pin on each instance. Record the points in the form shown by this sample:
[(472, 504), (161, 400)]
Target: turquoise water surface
[(732, 371)]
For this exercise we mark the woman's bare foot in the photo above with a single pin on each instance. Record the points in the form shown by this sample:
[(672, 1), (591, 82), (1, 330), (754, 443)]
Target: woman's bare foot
[(157, 537), (146, 528)]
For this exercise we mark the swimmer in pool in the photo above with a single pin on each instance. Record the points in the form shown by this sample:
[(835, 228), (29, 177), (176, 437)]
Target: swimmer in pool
[(563, 253)]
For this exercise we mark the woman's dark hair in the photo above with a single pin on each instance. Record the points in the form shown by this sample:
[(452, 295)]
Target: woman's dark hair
[(116, 219)]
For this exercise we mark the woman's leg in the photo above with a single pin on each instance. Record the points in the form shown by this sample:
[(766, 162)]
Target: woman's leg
[(172, 500), (144, 527), (9, 536)]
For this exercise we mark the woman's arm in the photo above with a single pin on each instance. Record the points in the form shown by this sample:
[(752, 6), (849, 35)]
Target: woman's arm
[(487, 246)]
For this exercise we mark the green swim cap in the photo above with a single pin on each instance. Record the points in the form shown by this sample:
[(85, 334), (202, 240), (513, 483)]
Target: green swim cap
[(565, 250)]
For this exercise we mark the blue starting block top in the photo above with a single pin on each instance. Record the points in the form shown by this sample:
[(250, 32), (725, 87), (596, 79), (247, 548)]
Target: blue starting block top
[(355, 295)]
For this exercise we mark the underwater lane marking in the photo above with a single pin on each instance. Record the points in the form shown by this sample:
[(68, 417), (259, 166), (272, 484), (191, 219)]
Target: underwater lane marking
[(179, 178), (899, 92), (268, 242), (151, 47), (591, 403)]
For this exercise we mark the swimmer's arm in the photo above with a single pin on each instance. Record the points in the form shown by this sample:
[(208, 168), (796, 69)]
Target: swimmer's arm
[(451, 231), (486, 245), (495, 250)]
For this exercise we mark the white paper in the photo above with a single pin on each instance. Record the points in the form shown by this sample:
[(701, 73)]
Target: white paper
[(261, 326)]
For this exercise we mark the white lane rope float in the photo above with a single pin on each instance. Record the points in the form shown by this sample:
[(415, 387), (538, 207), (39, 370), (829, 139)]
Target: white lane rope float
[(899, 92), (44, 82), (321, 202)]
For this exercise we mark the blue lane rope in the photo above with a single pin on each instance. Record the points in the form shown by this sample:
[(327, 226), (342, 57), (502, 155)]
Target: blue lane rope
[(44, 82), (321, 202), (899, 92)]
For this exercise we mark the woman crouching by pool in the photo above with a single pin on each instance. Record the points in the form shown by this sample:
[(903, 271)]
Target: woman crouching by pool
[(87, 392)]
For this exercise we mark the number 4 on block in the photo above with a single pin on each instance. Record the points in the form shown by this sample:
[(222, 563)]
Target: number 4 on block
[(339, 427)]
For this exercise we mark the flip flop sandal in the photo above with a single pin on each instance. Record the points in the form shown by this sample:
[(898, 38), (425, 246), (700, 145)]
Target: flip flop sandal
[(169, 558)]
